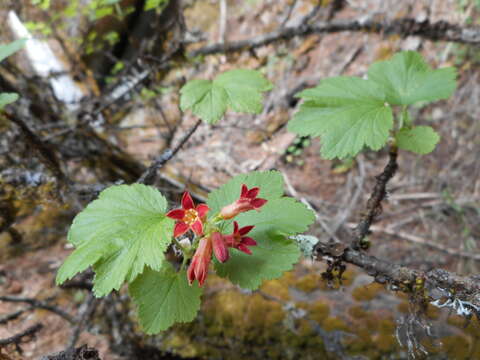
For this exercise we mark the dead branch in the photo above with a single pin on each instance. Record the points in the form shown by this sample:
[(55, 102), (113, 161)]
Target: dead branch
[(401, 277), (81, 353), (374, 204), (19, 338), (45, 153), (404, 27), (40, 305), (149, 176)]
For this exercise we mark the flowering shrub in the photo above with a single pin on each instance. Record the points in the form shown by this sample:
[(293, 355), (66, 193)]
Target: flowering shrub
[(125, 234)]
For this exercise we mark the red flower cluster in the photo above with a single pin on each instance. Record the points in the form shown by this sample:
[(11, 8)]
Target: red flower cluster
[(191, 217)]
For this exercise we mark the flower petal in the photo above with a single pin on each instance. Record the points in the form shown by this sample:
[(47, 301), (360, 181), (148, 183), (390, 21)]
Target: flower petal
[(219, 247), (180, 229), (244, 191), (187, 201), (176, 214), (197, 227), (235, 228), (244, 249), (245, 230), (191, 272), (253, 192), (258, 203), (248, 241), (202, 210)]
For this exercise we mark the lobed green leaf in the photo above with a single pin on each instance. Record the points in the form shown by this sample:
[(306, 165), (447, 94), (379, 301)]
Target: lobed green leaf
[(164, 298), (406, 79), (239, 89), (119, 233), (419, 139), (275, 253), (347, 113)]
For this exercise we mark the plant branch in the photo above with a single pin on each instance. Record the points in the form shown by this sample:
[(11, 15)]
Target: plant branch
[(149, 176), (18, 338), (374, 204), (40, 305), (45, 153), (404, 27)]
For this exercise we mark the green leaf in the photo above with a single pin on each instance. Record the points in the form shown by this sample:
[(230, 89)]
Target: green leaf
[(269, 182), (164, 298), (275, 253), (419, 139), (244, 89), (406, 79), (347, 113), (239, 89), (119, 233), (207, 100), (11, 48), (7, 98)]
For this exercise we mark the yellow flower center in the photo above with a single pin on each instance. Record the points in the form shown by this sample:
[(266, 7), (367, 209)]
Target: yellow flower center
[(191, 215)]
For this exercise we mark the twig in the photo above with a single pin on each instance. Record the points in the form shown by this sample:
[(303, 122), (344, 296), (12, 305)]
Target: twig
[(17, 339), (46, 154), (40, 305), (374, 204), (83, 317), (418, 240), (440, 30), (384, 271), (5, 319), (149, 176), (222, 22), (289, 13)]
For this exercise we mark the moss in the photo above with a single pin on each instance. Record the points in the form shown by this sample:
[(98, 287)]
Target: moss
[(357, 312), (433, 312), (309, 283), (319, 312), (403, 307), (334, 323), (457, 347), (367, 292), (276, 288)]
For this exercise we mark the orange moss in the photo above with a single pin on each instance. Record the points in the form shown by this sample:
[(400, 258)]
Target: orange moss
[(309, 282), (367, 292)]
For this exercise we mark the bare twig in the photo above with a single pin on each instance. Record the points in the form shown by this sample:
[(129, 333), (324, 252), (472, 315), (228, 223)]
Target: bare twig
[(83, 318), (421, 241), (40, 305), (149, 176), (18, 338), (404, 27), (15, 315), (384, 271), (46, 154), (374, 204)]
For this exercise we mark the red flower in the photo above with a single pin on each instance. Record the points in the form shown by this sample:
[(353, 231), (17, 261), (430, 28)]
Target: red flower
[(248, 201), (237, 239), (220, 247), (198, 268), (188, 217)]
